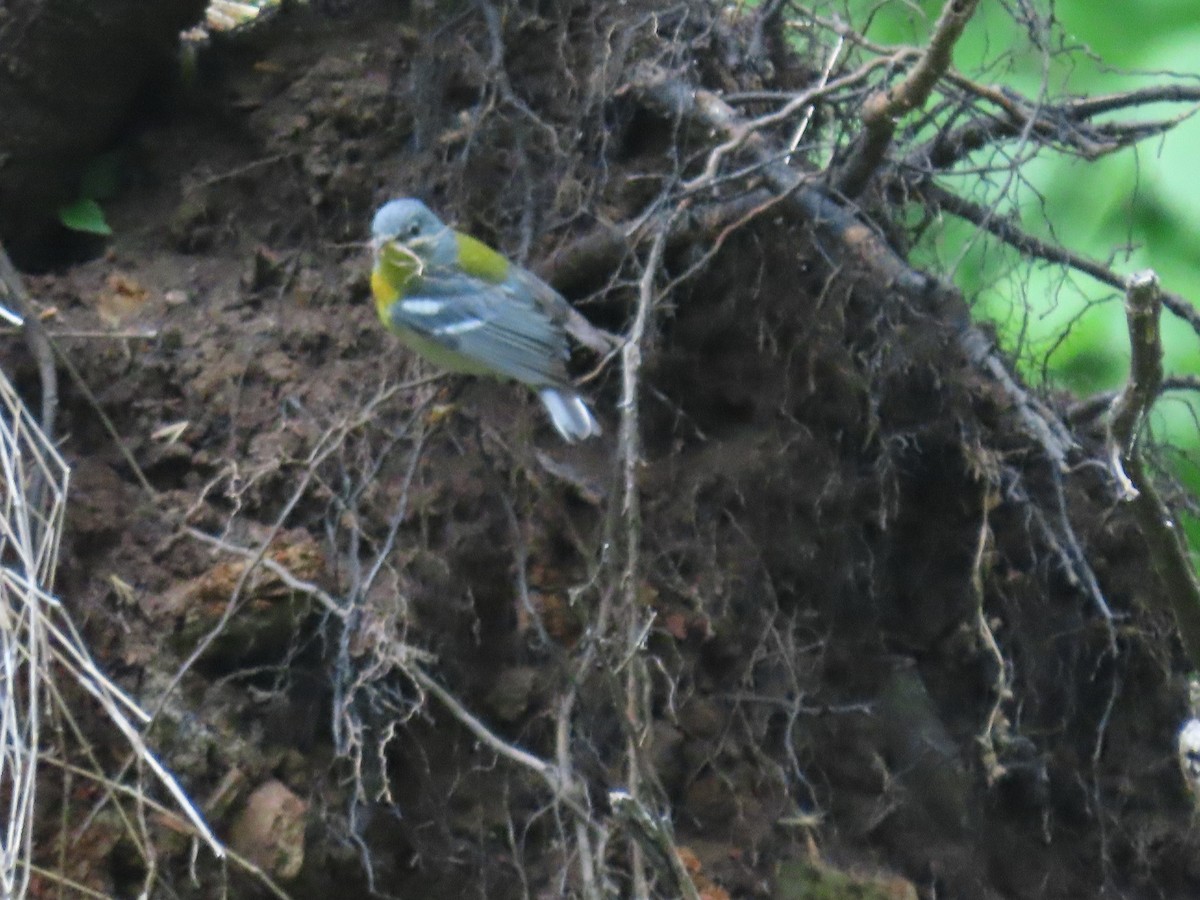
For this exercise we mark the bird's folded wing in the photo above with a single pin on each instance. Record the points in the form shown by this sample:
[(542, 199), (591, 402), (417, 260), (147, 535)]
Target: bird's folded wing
[(487, 323), (557, 307)]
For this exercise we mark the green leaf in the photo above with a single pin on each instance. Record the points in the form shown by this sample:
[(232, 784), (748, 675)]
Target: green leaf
[(84, 215)]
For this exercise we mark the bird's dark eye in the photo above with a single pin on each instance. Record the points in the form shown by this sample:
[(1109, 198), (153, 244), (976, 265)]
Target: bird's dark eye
[(414, 229)]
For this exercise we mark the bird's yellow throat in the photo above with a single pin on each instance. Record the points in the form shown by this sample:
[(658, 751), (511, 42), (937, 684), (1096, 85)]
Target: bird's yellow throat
[(395, 267)]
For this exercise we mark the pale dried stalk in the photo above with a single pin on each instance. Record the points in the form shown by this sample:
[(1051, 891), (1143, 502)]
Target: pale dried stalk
[(38, 641)]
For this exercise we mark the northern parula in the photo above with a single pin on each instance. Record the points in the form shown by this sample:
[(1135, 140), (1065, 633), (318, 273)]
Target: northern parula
[(466, 308)]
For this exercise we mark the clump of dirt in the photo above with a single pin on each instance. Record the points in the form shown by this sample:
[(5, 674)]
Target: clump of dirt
[(838, 515)]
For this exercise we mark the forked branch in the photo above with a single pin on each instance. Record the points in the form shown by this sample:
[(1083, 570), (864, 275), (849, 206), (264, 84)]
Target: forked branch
[(883, 109)]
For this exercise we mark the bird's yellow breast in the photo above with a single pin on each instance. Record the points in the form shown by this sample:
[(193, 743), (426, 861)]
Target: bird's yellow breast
[(385, 294)]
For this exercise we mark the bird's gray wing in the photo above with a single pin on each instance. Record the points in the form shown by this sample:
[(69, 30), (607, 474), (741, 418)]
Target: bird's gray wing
[(496, 325), (560, 311)]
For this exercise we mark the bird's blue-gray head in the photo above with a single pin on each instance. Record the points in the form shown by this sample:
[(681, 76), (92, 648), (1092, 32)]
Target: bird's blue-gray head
[(411, 222)]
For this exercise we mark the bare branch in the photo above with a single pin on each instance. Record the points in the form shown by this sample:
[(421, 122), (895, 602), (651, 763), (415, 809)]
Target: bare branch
[(852, 238), (631, 578), (794, 104), (1099, 404), (654, 835), (1086, 107), (1065, 125), (883, 109), (590, 259), (1001, 683), (566, 792), (1129, 410), (1164, 537), (1039, 249)]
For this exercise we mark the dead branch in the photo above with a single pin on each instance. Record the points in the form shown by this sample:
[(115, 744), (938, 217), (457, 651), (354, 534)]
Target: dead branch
[(1066, 126), (631, 460), (851, 238), (283, 573), (564, 791), (511, 752), (592, 258), (1132, 405), (1001, 228), (1001, 684), (654, 836), (800, 101), (884, 108), (1098, 404), (1164, 537)]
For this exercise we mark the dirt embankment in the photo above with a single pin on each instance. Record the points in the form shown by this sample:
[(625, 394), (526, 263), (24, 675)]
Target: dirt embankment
[(837, 515)]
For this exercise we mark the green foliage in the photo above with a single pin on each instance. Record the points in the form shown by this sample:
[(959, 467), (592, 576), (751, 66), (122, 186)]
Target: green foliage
[(84, 214), (100, 181), (1129, 211)]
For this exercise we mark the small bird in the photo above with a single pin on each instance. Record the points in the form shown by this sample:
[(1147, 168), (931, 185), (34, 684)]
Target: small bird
[(466, 308)]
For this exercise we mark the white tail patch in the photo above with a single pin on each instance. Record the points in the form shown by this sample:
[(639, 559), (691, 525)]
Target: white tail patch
[(569, 414)]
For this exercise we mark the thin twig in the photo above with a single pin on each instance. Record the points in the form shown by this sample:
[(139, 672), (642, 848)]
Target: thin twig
[(1065, 125), (1039, 249), (803, 100), (283, 573), (563, 791), (631, 460), (12, 291)]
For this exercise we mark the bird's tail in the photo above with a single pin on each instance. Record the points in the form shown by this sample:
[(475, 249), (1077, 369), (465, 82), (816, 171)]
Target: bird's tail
[(570, 415)]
